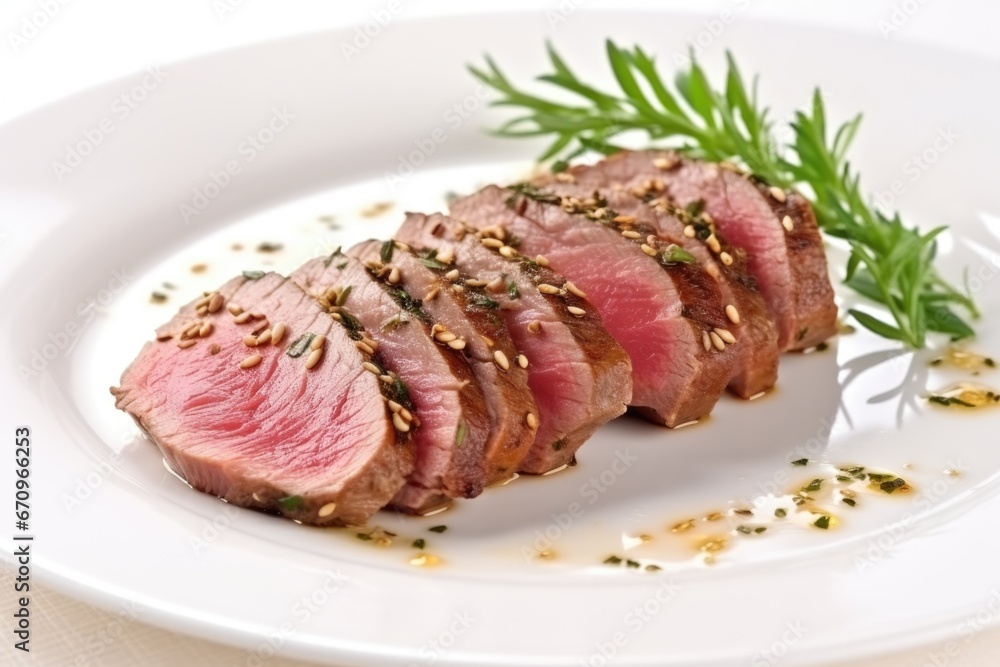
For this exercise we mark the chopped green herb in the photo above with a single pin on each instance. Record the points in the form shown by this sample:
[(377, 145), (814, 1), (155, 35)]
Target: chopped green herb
[(364, 537), (291, 503), (781, 512), (878, 478), (385, 253), (746, 530), (800, 462), (408, 303), (674, 254), (612, 560), (653, 568), (438, 529), (461, 432), (814, 485), (513, 291), (760, 529), (352, 325), (533, 192), (158, 297), (342, 296), (432, 263), (401, 392), (891, 486), (481, 301), (419, 543), (632, 563), (300, 345), (843, 478), (822, 522), (253, 275), (949, 400), (850, 501), (559, 444), (269, 247), (513, 241), (342, 265)]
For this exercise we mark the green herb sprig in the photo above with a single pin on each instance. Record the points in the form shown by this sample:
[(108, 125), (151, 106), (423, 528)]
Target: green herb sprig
[(889, 263)]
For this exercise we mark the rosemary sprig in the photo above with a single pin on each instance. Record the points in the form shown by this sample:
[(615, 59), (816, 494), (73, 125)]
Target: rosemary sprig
[(889, 263)]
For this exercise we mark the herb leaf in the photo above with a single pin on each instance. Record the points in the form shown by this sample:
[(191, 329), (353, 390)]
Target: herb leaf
[(300, 345), (889, 263), (253, 275)]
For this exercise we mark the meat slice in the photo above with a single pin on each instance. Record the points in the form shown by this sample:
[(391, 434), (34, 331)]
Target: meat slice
[(291, 423), (756, 366), (653, 297), (776, 227), (578, 374), (450, 418), (462, 321)]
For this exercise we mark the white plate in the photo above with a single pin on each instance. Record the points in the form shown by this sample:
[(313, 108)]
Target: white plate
[(82, 254)]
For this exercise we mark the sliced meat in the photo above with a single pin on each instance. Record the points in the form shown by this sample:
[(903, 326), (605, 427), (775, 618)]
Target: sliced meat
[(463, 322), (653, 297), (578, 374), (279, 426), (756, 366), (450, 418), (776, 227)]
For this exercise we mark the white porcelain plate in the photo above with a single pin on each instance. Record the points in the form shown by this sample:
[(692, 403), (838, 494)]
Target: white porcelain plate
[(141, 197)]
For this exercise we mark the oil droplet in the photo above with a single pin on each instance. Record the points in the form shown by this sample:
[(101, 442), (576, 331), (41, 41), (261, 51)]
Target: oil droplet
[(966, 395), (425, 560), (683, 526), (964, 359)]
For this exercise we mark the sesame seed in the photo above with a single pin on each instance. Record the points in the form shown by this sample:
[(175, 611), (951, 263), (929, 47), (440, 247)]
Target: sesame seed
[(313, 359), (508, 252), (664, 163), (184, 344), (788, 223), (363, 347), (394, 276), (388, 379), (205, 329), (501, 360), (400, 424), (164, 337), (192, 331), (215, 349), (327, 510), (648, 249), (522, 361), (257, 315), (600, 212), (394, 406), (406, 414), (726, 258), (446, 256), (725, 335), (629, 234), (713, 270), (624, 219), (717, 341), (535, 326), (438, 327), (495, 244), (452, 275), (545, 288), (251, 361), (564, 177), (578, 312), (432, 294), (317, 342), (457, 344), (713, 243), (532, 420), (234, 309), (541, 260), (215, 305), (265, 337), (370, 343), (242, 318), (337, 317), (778, 193), (475, 282), (250, 340), (496, 285), (690, 232), (706, 341), (733, 314), (445, 337), (652, 240), (278, 333), (203, 301), (372, 368), (573, 289), (729, 166)]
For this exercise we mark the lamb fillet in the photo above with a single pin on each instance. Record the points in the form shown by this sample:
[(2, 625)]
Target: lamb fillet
[(756, 366), (316, 445), (450, 417), (464, 322), (656, 301), (578, 374), (786, 258)]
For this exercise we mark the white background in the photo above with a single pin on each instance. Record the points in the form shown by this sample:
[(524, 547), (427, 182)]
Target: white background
[(47, 55)]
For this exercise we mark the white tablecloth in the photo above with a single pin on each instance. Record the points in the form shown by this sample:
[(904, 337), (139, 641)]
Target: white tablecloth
[(87, 43)]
